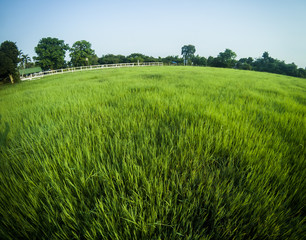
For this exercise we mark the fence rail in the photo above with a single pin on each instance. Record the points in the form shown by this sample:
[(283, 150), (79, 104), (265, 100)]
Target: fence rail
[(86, 68)]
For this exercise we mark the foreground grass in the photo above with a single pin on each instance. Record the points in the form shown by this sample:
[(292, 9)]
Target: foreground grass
[(154, 153)]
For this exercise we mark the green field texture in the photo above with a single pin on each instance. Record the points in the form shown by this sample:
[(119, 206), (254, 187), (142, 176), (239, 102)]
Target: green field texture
[(154, 153)]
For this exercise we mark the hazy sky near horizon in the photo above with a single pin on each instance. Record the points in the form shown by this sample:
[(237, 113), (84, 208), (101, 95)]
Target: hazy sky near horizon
[(161, 28)]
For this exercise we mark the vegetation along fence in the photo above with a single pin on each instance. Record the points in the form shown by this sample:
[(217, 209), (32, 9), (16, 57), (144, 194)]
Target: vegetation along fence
[(84, 68)]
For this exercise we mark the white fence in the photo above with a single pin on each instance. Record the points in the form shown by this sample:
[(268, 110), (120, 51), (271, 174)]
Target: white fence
[(85, 68)]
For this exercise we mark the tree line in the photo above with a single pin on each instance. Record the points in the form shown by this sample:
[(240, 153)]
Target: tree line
[(51, 54), (227, 59)]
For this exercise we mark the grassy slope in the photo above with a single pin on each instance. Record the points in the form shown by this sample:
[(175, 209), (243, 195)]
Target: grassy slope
[(154, 153)]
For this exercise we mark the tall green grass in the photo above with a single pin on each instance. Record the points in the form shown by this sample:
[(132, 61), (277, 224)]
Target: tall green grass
[(154, 153)]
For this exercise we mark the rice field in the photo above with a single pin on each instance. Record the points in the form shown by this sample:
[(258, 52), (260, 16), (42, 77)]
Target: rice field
[(154, 153)]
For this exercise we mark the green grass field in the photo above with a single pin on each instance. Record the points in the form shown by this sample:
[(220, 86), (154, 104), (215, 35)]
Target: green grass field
[(154, 153)]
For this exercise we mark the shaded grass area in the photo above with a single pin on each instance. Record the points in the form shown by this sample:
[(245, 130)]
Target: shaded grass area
[(154, 153)]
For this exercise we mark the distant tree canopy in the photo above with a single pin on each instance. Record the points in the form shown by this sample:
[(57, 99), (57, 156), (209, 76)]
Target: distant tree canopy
[(225, 59), (111, 58), (81, 54), (188, 53), (8, 62), (244, 63), (269, 64), (173, 60), (199, 61), (132, 58), (51, 53), (136, 57), (266, 63)]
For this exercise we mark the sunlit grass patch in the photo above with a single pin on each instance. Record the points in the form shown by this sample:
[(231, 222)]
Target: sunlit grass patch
[(153, 153)]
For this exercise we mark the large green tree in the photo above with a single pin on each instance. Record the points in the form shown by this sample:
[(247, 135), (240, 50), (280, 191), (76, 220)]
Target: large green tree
[(228, 58), (8, 61), (225, 59), (81, 54), (188, 53), (51, 53)]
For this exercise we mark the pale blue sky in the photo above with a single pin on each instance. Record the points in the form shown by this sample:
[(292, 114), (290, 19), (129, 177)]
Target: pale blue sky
[(161, 28)]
